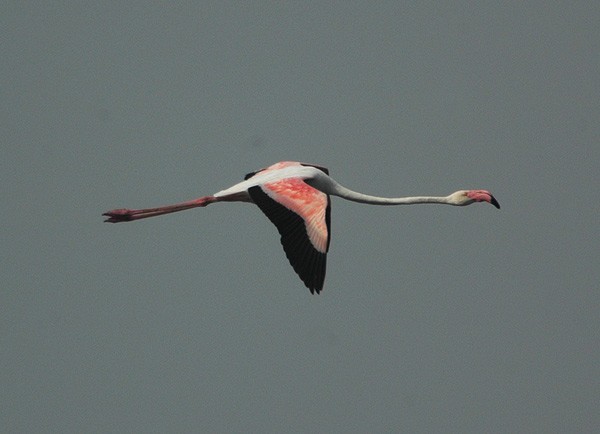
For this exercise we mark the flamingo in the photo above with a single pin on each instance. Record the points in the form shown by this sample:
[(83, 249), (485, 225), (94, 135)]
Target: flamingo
[(296, 198)]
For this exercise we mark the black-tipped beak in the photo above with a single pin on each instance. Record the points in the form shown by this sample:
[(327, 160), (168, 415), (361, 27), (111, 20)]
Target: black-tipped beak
[(494, 202)]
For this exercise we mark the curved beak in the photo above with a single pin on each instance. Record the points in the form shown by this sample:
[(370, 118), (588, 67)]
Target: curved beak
[(483, 196)]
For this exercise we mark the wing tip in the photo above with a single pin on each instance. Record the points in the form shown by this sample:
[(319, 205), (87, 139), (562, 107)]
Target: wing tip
[(315, 290)]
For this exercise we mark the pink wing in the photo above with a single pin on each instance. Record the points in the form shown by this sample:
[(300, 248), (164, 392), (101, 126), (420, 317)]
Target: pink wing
[(302, 215)]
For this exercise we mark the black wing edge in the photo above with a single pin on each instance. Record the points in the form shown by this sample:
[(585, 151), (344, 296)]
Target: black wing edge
[(251, 174), (308, 262)]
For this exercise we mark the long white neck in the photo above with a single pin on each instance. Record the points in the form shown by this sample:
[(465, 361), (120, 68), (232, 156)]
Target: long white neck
[(334, 188)]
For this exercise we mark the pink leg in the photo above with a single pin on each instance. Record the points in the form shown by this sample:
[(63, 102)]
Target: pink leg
[(127, 215)]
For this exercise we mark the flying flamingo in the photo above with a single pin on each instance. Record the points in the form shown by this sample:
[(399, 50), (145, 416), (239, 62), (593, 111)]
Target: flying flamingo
[(295, 197)]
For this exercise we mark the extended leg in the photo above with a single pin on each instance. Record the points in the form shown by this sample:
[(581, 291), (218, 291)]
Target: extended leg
[(127, 215)]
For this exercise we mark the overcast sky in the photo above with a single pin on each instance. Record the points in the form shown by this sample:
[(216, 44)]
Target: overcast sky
[(432, 319)]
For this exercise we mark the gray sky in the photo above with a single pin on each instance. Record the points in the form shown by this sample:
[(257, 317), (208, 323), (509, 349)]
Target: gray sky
[(432, 319)]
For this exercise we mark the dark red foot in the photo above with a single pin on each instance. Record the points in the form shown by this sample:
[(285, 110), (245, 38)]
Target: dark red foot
[(118, 215)]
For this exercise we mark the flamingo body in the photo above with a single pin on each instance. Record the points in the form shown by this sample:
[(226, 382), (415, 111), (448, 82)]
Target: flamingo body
[(295, 197), (302, 215)]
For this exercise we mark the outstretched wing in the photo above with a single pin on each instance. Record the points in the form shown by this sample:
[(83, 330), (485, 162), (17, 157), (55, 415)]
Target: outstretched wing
[(302, 215)]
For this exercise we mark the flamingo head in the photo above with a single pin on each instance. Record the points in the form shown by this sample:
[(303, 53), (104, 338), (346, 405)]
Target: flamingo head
[(467, 197)]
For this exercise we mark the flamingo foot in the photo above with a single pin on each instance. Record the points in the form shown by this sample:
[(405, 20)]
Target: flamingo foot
[(119, 215)]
